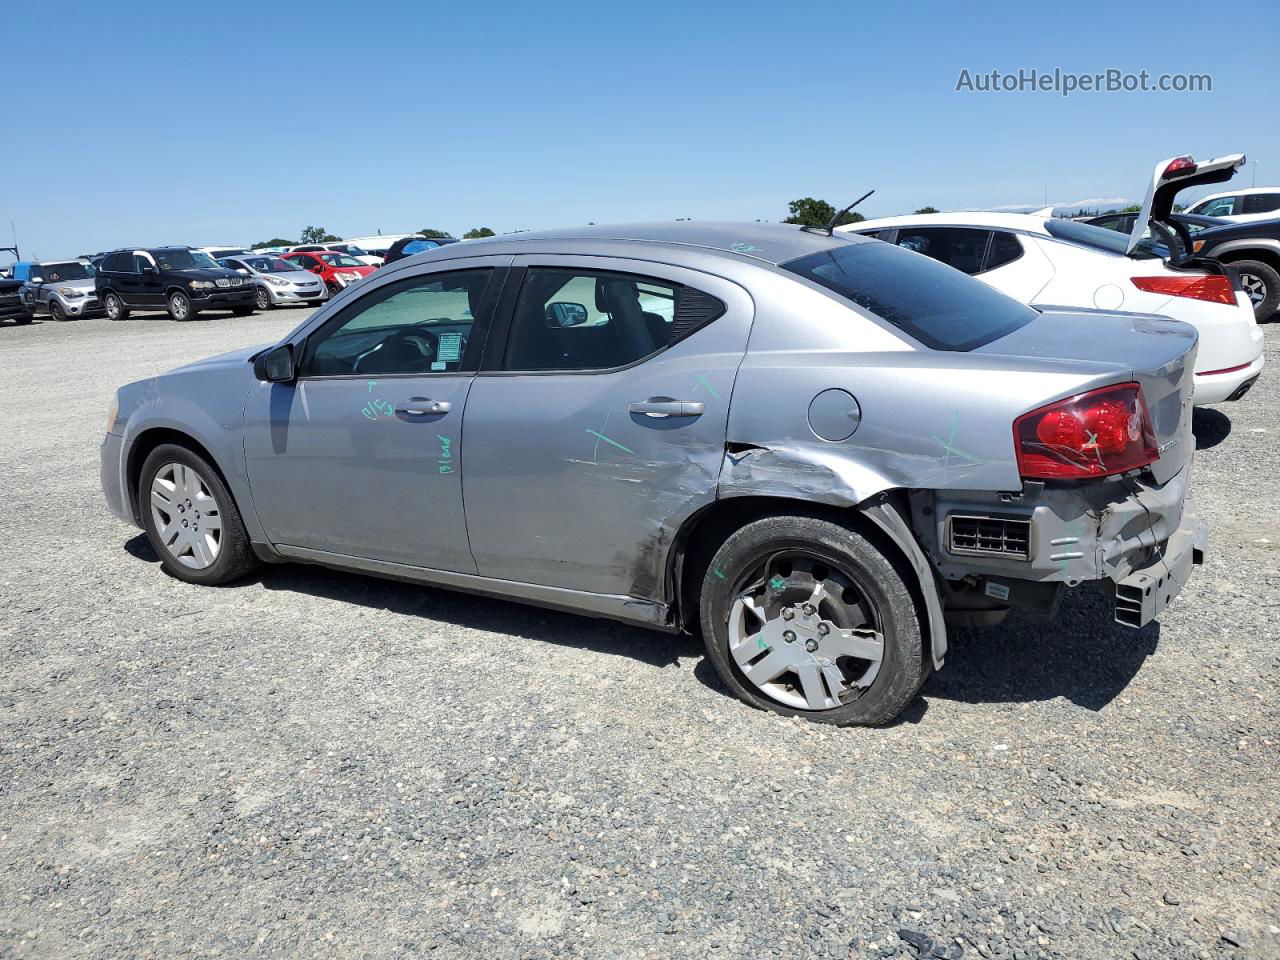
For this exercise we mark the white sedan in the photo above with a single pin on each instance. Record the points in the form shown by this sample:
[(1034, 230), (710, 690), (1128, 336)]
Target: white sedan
[(1046, 261)]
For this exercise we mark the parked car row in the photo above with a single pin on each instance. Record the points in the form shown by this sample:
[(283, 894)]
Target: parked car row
[(1051, 262), (185, 281)]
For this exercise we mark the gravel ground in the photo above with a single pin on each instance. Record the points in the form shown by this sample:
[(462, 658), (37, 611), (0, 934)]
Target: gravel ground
[(321, 764)]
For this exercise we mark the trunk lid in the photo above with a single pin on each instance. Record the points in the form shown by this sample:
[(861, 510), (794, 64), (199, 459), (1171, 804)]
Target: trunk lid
[(1153, 351), (1170, 178)]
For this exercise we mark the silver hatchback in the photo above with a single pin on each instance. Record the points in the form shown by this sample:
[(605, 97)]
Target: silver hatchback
[(814, 451)]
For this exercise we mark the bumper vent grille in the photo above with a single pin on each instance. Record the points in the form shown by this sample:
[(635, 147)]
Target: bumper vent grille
[(989, 537)]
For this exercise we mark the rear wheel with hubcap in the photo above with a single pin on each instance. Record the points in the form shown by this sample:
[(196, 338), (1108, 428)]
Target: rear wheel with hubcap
[(1261, 282), (805, 617), (190, 518), (114, 307), (180, 306)]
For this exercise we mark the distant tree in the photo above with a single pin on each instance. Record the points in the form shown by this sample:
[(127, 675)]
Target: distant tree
[(928, 210), (818, 213), (274, 242), (318, 235), (1132, 208), (431, 232), (477, 232)]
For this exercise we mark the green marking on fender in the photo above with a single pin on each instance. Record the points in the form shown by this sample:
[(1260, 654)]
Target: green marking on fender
[(601, 436)]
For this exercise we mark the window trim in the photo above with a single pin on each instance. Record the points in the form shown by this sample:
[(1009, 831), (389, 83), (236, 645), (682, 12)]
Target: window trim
[(495, 356), (476, 343)]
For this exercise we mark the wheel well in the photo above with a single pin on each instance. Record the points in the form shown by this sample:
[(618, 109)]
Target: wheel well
[(1268, 257), (147, 441), (704, 532)]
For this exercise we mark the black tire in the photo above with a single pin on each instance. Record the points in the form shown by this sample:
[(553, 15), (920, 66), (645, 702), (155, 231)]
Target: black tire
[(848, 556), (56, 312), (114, 307), (334, 290), (23, 319), (1256, 276), (241, 311), (235, 556), (263, 299), (179, 305)]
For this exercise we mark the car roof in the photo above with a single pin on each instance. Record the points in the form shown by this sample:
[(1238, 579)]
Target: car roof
[(1024, 222), (772, 243), (1242, 192)]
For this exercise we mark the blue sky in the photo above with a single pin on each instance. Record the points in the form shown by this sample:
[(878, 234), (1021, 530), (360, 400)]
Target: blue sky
[(232, 123)]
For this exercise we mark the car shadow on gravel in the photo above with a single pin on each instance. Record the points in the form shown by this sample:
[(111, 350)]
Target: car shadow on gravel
[(1082, 655), (1210, 427), (465, 610)]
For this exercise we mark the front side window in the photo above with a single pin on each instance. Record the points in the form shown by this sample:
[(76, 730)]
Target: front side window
[(959, 247), (420, 325), (340, 260), (1222, 207), (568, 319), (73, 270), (932, 303), (272, 265)]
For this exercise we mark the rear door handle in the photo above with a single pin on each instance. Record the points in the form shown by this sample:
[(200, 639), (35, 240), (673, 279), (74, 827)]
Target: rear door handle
[(666, 407), (418, 408)]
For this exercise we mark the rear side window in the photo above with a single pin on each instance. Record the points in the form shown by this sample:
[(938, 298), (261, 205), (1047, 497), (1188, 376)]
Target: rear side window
[(1222, 207), (958, 247), (570, 319), (1004, 248), (928, 301), (1261, 202)]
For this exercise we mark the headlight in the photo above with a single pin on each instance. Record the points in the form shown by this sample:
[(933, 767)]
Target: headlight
[(111, 414), (276, 281), (348, 277), (202, 284), (70, 292)]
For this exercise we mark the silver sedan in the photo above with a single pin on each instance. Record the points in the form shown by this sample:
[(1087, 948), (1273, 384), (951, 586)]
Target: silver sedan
[(814, 451)]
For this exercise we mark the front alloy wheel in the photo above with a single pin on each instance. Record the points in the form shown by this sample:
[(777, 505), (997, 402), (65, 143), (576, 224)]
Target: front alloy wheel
[(56, 312), (179, 305), (187, 518), (263, 299)]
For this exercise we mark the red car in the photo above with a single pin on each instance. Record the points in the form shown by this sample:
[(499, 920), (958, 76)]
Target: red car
[(337, 270)]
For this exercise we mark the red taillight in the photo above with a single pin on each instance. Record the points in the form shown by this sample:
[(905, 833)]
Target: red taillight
[(1180, 165), (1092, 434), (1209, 287)]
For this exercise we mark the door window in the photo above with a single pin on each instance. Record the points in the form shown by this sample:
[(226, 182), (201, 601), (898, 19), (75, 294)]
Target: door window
[(417, 326), (1221, 207), (568, 319), (1005, 248), (959, 247), (1261, 202)]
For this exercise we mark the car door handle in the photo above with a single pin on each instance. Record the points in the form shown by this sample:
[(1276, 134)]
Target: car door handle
[(665, 407), (416, 408)]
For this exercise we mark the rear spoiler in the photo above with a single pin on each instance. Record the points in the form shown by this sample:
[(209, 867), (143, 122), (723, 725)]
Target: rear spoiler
[(1170, 178)]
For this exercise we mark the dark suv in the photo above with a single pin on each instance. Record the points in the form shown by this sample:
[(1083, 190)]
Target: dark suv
[(178, 279)]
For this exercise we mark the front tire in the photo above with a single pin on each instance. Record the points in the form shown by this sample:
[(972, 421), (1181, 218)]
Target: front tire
[(241, 311), (1261, 282), (263, 299), (180, 307), (807, 618), (56, 312), (191, 519), (114, 307)]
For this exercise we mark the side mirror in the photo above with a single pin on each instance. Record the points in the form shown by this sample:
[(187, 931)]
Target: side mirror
[(562, 314), (276, 365), (317, 269), (242, 271), (35, 279), (149, 269)]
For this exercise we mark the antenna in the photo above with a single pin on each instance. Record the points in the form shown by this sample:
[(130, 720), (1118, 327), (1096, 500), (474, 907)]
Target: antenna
[(830, 228)]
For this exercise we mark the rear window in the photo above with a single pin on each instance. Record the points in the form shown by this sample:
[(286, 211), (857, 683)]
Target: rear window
[(1086, 234), (931, 302)]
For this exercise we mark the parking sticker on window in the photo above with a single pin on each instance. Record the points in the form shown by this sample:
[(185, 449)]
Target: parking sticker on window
[(449, 348), (438, 364)]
